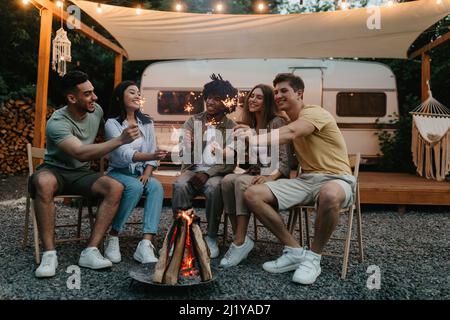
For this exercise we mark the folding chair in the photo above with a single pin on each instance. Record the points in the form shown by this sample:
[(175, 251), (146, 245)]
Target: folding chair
[(296, 213), (38, 154)]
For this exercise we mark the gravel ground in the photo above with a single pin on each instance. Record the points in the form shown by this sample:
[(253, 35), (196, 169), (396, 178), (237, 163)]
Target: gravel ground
[(412, 252)]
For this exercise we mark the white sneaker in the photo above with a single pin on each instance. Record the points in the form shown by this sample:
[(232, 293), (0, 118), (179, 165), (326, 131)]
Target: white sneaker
[(309, 268), (289, 261), (145, 252), (213, 247), (236, 254), (48, 265), (112, 251), (93, 259)]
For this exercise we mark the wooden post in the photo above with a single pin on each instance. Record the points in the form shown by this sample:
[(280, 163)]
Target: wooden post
[(42, 78), (426, 71), (118, 69)]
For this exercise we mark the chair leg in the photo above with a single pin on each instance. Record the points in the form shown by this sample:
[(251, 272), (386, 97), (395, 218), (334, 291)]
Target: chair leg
[(225, 229), (291, 221), (80, 214), (347, 244), (27, 223), (255, 223), (359, 228), (308, 238), (37, 251), (300, 226)]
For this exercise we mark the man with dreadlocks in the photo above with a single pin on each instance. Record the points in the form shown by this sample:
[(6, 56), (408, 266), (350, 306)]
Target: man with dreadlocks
[(204, 176)]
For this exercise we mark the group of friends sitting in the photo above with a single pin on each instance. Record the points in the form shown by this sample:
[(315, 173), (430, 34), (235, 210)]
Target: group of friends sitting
[(275, 116)]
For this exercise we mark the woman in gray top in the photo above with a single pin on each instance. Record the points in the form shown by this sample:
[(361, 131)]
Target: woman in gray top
[(260, 112)]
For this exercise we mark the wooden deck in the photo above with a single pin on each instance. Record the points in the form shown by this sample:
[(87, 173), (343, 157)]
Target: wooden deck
[(381, 188), (402, 189)]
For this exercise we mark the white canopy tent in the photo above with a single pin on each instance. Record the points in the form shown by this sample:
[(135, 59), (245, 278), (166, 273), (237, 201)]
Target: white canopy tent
[(345, 33)]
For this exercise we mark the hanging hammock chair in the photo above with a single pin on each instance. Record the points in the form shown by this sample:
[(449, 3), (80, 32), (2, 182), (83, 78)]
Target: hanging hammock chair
[(430, 143)]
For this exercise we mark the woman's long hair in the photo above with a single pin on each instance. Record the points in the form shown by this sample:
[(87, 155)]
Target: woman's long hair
[(269, 110), (117, 105)]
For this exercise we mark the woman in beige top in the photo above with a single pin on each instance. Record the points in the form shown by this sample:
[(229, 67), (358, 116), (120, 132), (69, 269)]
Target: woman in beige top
[(260, 112)]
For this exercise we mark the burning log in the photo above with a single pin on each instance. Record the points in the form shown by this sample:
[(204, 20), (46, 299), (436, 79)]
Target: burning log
[(203, 259), (184, 255), (172, 271)]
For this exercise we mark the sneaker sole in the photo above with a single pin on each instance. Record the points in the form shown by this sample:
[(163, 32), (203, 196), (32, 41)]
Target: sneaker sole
[(307, 282), (232, 265), (138, 259), (113, 260), (245, 257), (46, 275), (282, 270), (93, 267), (215, 256)]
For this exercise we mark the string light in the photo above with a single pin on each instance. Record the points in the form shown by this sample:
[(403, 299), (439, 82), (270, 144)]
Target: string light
[(59, 4), (261, 6), (390, 3), (25, 2), (219, 7), (179, 7), (138, 9), (99, 8)]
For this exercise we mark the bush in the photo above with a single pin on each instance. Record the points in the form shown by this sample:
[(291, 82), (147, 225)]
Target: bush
[(396, 146)]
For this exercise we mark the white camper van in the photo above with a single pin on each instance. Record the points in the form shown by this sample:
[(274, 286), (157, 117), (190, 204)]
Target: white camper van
[(355, 92)]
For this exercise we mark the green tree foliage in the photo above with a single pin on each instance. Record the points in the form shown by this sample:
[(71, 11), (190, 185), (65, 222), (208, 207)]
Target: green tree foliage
[(396, 147), (19, 35)]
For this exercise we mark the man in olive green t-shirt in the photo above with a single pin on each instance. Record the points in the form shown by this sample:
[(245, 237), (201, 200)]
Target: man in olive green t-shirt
[(70, 135), (325, 180)]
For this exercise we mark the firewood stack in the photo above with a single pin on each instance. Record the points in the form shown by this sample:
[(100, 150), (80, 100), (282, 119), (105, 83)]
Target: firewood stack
[(16, 130), (185, 257)]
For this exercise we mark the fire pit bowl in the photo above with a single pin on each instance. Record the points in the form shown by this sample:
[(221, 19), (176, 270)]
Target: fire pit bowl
[(144, 273)]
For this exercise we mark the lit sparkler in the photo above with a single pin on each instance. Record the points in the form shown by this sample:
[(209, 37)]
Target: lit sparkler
[(141, 103), (188, 108), (213, 122), (230, 103)]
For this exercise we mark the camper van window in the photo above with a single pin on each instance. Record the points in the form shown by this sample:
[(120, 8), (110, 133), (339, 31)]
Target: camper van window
[(180, 102), (361, 104)]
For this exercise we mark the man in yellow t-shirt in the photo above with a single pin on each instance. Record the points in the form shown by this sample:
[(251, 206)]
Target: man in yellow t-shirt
[(326, 180)]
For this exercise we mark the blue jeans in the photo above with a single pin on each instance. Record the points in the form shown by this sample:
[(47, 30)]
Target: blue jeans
[(132, 193)]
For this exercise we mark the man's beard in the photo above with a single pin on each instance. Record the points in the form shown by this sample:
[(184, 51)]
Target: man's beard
[(88, 110)]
